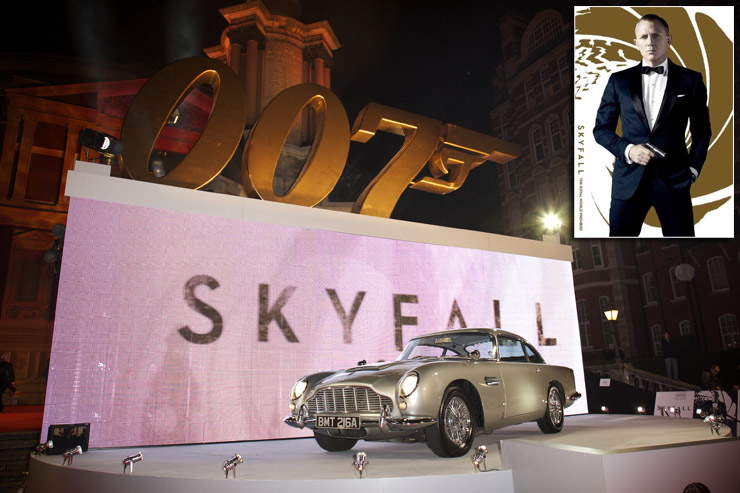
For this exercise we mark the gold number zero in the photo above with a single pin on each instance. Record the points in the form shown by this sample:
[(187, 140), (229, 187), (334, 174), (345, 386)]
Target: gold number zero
[(160, 96), (325, 162)]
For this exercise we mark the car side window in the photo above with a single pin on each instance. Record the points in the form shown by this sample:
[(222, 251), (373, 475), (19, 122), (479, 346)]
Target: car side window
[(534, 356), (485, 348), (511, 350)]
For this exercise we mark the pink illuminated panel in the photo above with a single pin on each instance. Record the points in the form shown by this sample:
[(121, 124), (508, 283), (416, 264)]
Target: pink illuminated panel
[(183, 328)]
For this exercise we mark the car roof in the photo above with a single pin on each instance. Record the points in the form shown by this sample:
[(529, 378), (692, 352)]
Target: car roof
[(472, 329)]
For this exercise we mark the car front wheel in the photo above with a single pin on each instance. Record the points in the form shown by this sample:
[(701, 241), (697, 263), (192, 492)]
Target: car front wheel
[(452, 435), (552, 421), (333, 444)]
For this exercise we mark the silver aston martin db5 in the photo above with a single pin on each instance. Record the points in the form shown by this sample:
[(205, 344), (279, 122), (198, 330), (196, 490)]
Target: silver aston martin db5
[(444, 388)]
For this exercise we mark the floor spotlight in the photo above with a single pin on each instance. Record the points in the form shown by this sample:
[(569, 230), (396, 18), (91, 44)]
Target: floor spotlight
[(70, 454), (41, 448), (604, 409), (130, 460), (479, 457), (360, 462), (640, 410), (107, 145), (230, 465)]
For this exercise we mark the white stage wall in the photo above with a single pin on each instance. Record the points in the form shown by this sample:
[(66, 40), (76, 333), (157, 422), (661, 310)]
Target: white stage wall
[(186, 316)]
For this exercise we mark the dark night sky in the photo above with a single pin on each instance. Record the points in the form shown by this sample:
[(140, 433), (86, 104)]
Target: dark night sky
[(427, 57)]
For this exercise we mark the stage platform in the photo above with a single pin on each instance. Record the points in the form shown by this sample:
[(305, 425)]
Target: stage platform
[(594, 453)]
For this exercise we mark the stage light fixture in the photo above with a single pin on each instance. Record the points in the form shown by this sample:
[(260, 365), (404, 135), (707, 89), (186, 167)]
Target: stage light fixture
[(360, 462), (41, 448), (69, 454), (108, 146), (156, 163), (230, 465), (604, 409), (640, 410), (479, 457), (130, 460)]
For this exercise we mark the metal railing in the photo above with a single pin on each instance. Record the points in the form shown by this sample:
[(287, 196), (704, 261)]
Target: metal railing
[(642, 379)]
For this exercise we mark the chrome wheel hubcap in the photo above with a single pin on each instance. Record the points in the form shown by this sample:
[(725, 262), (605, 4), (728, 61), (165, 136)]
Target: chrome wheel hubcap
[(458, 424), (555, 407)]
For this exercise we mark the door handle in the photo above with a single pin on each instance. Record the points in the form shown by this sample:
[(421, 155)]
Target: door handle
[(538, 370), (492, 381)]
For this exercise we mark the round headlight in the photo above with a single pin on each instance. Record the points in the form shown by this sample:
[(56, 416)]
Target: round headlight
[(408, 384), (298, 389)]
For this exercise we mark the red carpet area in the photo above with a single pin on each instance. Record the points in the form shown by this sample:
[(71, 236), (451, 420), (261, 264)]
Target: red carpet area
[(21, 418)]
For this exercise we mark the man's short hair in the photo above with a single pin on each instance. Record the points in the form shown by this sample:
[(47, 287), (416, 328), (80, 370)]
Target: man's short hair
[(655, 18)]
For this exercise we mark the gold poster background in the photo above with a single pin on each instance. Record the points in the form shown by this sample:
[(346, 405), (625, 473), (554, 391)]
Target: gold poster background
[(604, 43)]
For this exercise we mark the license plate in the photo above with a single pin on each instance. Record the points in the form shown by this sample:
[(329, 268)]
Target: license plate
[(338, 422)]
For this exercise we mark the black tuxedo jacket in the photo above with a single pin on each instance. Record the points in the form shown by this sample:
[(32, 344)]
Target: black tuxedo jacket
[(685, 101)]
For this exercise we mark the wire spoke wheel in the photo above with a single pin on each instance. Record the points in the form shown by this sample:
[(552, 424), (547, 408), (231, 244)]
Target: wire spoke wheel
[(555, 407), (552, 421), (458, 423)]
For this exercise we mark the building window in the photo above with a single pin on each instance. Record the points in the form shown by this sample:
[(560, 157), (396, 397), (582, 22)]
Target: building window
[(563, 189), (657, 332), (729, 331), (543, 195), (577, 261), (641, 246), (528, 89), (717, 273), (538, 145), (564, 69), (606, 325), (504, 124), (554, 128), (685, 328), (544, 79), (596, 253), (651, 289), (544, 33), (678, 286), (511, 174), (583, 323)]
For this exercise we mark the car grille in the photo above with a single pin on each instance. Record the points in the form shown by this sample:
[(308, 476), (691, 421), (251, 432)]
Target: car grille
[(347, 400)]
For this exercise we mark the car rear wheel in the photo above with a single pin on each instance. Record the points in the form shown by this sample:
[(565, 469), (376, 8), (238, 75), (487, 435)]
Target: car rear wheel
[(333, 444), (452, 435), (552, 421)]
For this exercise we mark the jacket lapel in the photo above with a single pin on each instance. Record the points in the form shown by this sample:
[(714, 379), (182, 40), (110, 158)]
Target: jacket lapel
[(671, 91), (635, 82)]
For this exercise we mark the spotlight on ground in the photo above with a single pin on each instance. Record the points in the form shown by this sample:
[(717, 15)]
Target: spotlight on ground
[(130, 460), (479, 457), (360, 462), (69, 454), (640, 410), (230, 465), (41, 448), (604, 409)]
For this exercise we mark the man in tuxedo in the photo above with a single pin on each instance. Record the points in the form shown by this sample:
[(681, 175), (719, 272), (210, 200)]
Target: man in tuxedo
[(653, 168)]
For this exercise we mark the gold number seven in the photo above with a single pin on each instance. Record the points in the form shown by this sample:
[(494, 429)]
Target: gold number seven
[(421, 136)]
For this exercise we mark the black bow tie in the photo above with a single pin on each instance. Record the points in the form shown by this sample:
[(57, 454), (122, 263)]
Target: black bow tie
[(647, 70)]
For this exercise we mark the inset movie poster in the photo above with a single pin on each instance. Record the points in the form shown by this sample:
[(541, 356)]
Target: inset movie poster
[(654, 126)]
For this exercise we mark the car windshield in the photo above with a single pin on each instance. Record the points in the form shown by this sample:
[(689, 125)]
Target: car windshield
[(453, 345)]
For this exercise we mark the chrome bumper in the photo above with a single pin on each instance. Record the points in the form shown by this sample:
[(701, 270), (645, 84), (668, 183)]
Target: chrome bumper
[(385, 423)]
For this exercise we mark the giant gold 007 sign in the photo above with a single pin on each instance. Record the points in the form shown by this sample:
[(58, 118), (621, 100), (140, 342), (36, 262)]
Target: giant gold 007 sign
[(450, 151)]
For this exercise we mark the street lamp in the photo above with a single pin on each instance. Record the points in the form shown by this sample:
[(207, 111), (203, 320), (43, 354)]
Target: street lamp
[(611, 316), (552, 224)]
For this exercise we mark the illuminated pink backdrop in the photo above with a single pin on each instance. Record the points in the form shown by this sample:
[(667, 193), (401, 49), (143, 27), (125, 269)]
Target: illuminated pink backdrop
[(119, 360)]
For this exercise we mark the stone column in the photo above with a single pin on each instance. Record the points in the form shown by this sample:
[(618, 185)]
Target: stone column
[(251, 81)]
